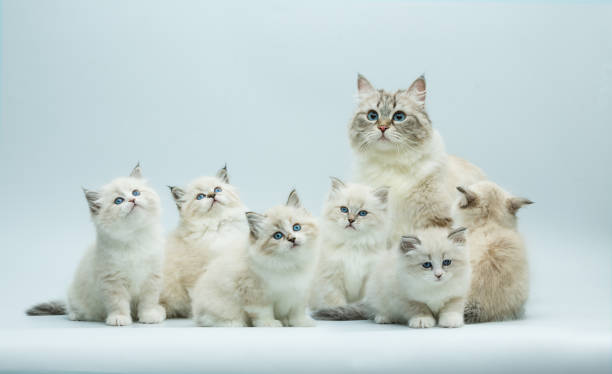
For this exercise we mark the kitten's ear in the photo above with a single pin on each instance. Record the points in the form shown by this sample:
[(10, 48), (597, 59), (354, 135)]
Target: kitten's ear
[(382, 193), (458, 235), (409, 243), (255, 221), (222, 174), (93, 200), (363, 86), (469, 197), (136, 172), (418, 90), (336, 184), (177, 194), (294, 200), (515, 203)]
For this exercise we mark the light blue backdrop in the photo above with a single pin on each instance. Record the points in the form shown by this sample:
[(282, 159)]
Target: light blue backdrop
[(90, 88)]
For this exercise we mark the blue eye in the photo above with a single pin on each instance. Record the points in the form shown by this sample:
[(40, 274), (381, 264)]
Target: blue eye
[(278, 235), (363, 213), (136, 193), (200, 196), (218, 189), (427, 265), (119, 200), (344, 209), (297, 227), (372, 115), (446, 262), (399, 116)]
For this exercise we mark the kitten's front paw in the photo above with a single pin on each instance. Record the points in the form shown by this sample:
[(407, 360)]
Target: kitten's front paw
[(451, 320), (304, 321), (421, 322), (381, 319), (267, 323), (153, 315), (116, 319)]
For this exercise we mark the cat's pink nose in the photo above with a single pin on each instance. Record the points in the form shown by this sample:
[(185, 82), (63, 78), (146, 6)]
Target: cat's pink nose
[(383, 128)]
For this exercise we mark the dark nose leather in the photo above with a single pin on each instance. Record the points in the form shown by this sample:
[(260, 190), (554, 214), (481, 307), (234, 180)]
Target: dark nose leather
[(291, 239), (132, 200), (211, 195), (438, 276), (351, 220)]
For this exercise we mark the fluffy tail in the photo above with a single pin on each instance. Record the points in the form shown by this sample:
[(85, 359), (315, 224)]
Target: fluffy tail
[(349, 312), (52, 308)]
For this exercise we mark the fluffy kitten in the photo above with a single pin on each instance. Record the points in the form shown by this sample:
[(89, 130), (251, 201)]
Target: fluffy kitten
[(396, 146), (211, 220), (119, 278), (266, 282), (500, 275), (353, 232), (424, 278)]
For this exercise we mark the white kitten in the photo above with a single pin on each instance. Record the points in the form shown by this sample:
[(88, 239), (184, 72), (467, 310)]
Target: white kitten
[(354, 230), (424, 278), (266, 282), (119, 278), (212, 219)]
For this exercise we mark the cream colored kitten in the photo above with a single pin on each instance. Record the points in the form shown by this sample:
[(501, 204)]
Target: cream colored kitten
[(423, 279), (396, 146), (266, 282), (119, 278), (211, 220), (353, 232), (500, 275)]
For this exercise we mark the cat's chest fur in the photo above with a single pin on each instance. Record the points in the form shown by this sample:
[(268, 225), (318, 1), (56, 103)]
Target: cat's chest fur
[(356, 265), (435, 296)]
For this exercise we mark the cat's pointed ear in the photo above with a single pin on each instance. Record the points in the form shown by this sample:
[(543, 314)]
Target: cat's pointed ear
[(515, 203), (468, 198), (418, 90), (458, 235), (364, 87), (409, 243), (93, 200), (382, 193), (222, 174), (294, 200), (137, 171), (177, 194), (336, 184), (255, 221)]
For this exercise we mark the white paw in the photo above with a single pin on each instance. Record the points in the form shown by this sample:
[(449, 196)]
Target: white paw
[(302, 322), (422, 322), (153, 315), (451, 320), (381, 319), (115, 319), (267, 323)]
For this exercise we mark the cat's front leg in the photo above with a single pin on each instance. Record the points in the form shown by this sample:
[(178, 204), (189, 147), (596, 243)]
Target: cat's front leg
[(451, 314), (298, 317), (262, 316), (149, 309), (116, 301), (420, 316)]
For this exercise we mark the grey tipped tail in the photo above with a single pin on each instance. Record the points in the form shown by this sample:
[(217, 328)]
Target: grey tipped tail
[(351, 312), (52, 308)]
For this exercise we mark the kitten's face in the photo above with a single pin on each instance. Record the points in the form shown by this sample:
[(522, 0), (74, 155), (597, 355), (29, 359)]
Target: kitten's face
[(284, 231), (487, 201), (355, 209), (435, 256), (124, 204), (206, 197), (386, 121)]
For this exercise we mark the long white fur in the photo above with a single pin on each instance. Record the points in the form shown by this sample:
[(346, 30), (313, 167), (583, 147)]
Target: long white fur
[(205, 230), (266, 282), (402, 291), (119, 278), (348, 251)]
